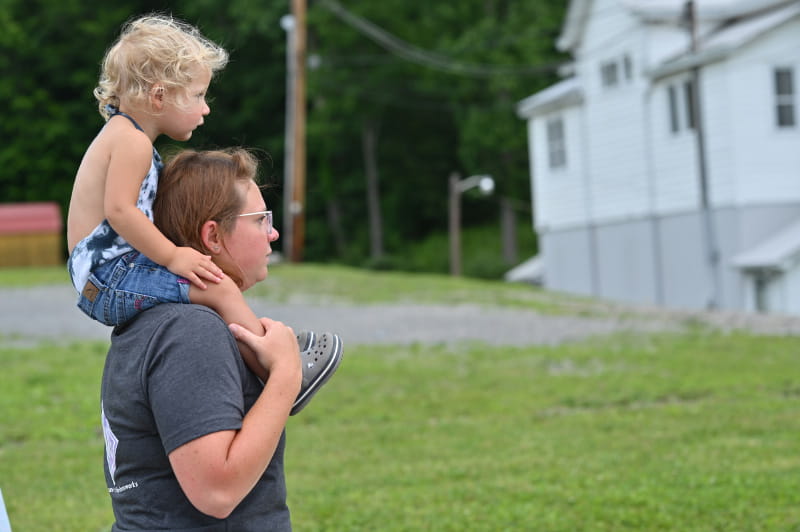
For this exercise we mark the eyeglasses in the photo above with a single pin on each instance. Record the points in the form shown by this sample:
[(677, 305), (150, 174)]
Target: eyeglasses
[(266, 221)]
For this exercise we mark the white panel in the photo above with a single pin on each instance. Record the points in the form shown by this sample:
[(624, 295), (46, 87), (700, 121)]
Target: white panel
[(767, 157), (792, 301), (560, 194)]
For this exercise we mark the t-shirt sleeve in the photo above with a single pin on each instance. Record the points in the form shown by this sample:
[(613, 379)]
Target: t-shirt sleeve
[(193, 381)]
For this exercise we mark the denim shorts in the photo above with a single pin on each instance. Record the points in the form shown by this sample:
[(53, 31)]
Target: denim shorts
[(120, 289)]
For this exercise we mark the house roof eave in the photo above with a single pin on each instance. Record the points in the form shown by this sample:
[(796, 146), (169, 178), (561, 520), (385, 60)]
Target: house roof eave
[(687, 62), (724, 43), (776, 253), (670, 11), (567, 93), (574, 22)]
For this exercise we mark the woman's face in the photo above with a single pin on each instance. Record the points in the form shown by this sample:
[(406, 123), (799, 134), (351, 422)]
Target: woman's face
[(248, 244)]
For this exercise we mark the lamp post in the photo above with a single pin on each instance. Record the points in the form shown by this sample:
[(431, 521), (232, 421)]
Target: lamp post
[(457, 187)]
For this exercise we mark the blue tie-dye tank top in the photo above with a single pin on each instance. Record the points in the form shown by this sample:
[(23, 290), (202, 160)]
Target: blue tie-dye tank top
[(103, 243)]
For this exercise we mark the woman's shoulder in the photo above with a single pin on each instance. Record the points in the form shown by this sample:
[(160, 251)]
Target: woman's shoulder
[(189, 314), (184, 319)]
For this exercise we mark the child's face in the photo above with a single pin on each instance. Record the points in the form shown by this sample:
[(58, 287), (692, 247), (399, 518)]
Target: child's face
[(184, 113)]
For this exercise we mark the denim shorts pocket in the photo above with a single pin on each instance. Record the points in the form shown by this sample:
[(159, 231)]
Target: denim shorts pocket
[(91, 299), (130, 304)]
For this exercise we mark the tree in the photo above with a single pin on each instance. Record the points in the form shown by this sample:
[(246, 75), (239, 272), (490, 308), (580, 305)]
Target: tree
[(49, 114), (442, 85), (385, 127)]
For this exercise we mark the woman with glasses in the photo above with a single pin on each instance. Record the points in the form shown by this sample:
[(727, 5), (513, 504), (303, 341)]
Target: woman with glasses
[(133, 283), (195, 441)]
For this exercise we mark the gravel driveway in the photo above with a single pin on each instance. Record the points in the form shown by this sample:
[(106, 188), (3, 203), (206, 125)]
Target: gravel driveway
[(49, 313)]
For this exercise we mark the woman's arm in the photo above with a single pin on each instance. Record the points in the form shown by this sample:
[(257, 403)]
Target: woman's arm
[(218, 470)]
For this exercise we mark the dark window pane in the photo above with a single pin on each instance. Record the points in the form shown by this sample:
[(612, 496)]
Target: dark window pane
[(783, 82), (784, 97), (786, 116), (673, 109), (688, 92)]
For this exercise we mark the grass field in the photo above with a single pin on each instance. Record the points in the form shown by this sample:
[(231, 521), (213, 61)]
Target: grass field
[(679, 432)]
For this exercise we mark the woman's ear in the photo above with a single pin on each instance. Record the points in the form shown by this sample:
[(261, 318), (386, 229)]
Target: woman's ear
[(211, 235)]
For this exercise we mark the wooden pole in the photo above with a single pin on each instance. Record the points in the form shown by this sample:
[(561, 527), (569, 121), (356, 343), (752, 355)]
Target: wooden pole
[(455, 225), (298, 207)]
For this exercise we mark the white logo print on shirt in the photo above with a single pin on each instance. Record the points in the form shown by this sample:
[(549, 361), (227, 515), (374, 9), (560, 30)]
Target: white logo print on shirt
[(111, 444)]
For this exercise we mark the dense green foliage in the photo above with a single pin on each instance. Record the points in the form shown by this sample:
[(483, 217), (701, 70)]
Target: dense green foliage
[(428, 120)]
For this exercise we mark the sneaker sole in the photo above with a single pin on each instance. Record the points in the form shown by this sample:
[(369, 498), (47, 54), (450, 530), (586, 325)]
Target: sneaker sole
[(323, 376)]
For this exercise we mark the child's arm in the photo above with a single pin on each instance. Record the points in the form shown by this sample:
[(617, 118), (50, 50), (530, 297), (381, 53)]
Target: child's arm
[(129, 162)]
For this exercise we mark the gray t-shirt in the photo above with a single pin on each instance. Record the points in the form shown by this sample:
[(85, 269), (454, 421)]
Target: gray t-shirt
[(174, 374)]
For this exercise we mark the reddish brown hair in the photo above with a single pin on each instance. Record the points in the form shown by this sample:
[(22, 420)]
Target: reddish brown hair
[(198, 186)]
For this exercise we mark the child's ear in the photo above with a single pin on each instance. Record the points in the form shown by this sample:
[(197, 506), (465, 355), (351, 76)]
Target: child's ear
[(157, 96)]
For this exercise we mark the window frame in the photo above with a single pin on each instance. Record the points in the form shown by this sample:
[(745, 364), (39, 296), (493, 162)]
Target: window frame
[(609, 74), (672, 102), (785, 97), (556, 142), (688, 94)]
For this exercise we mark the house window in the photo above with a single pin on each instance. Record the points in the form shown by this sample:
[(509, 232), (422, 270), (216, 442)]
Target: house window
[(608, 74), (672, 94), (688, 89), (627, 67), (681, 106), (784, 97), (616, 71), (556, 147)]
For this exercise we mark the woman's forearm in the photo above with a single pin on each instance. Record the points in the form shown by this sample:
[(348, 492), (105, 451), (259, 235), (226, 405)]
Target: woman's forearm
[(218, 470)]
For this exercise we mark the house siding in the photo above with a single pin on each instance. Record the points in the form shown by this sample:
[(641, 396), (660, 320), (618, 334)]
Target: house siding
[(623, 220), (565, 183), (615, 189), (768, 159), (626, 262), (568, 260)]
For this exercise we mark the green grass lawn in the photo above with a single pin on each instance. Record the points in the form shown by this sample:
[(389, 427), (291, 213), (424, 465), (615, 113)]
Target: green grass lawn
[(670, 432), (31, 276), (682, 432)]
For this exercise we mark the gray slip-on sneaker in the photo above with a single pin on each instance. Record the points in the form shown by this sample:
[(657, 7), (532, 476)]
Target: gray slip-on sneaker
[(320, 360)]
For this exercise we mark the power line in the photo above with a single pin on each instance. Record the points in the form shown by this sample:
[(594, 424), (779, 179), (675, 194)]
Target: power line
[(419, 56)]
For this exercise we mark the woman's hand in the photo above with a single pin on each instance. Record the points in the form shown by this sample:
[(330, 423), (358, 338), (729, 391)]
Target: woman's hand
[(277, 350)]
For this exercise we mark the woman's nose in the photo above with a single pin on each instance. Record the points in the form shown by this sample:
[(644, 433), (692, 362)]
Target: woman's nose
[(273, 235)]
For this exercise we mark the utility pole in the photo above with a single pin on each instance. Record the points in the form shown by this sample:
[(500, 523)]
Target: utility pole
[(294, 184), (702, 166), (287, 23)]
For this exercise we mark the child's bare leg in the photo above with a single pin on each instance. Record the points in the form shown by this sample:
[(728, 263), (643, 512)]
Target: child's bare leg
[(227, 300)]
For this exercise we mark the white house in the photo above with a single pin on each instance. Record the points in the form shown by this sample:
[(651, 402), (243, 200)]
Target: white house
[(638, 198)]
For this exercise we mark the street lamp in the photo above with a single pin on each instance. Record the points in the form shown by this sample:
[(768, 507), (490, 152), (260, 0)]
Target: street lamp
[(458, 186)]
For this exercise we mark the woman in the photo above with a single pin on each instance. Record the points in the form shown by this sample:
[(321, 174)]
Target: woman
[(194, 440)]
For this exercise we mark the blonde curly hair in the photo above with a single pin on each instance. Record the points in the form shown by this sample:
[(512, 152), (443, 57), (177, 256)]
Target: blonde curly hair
[(155, 49)]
